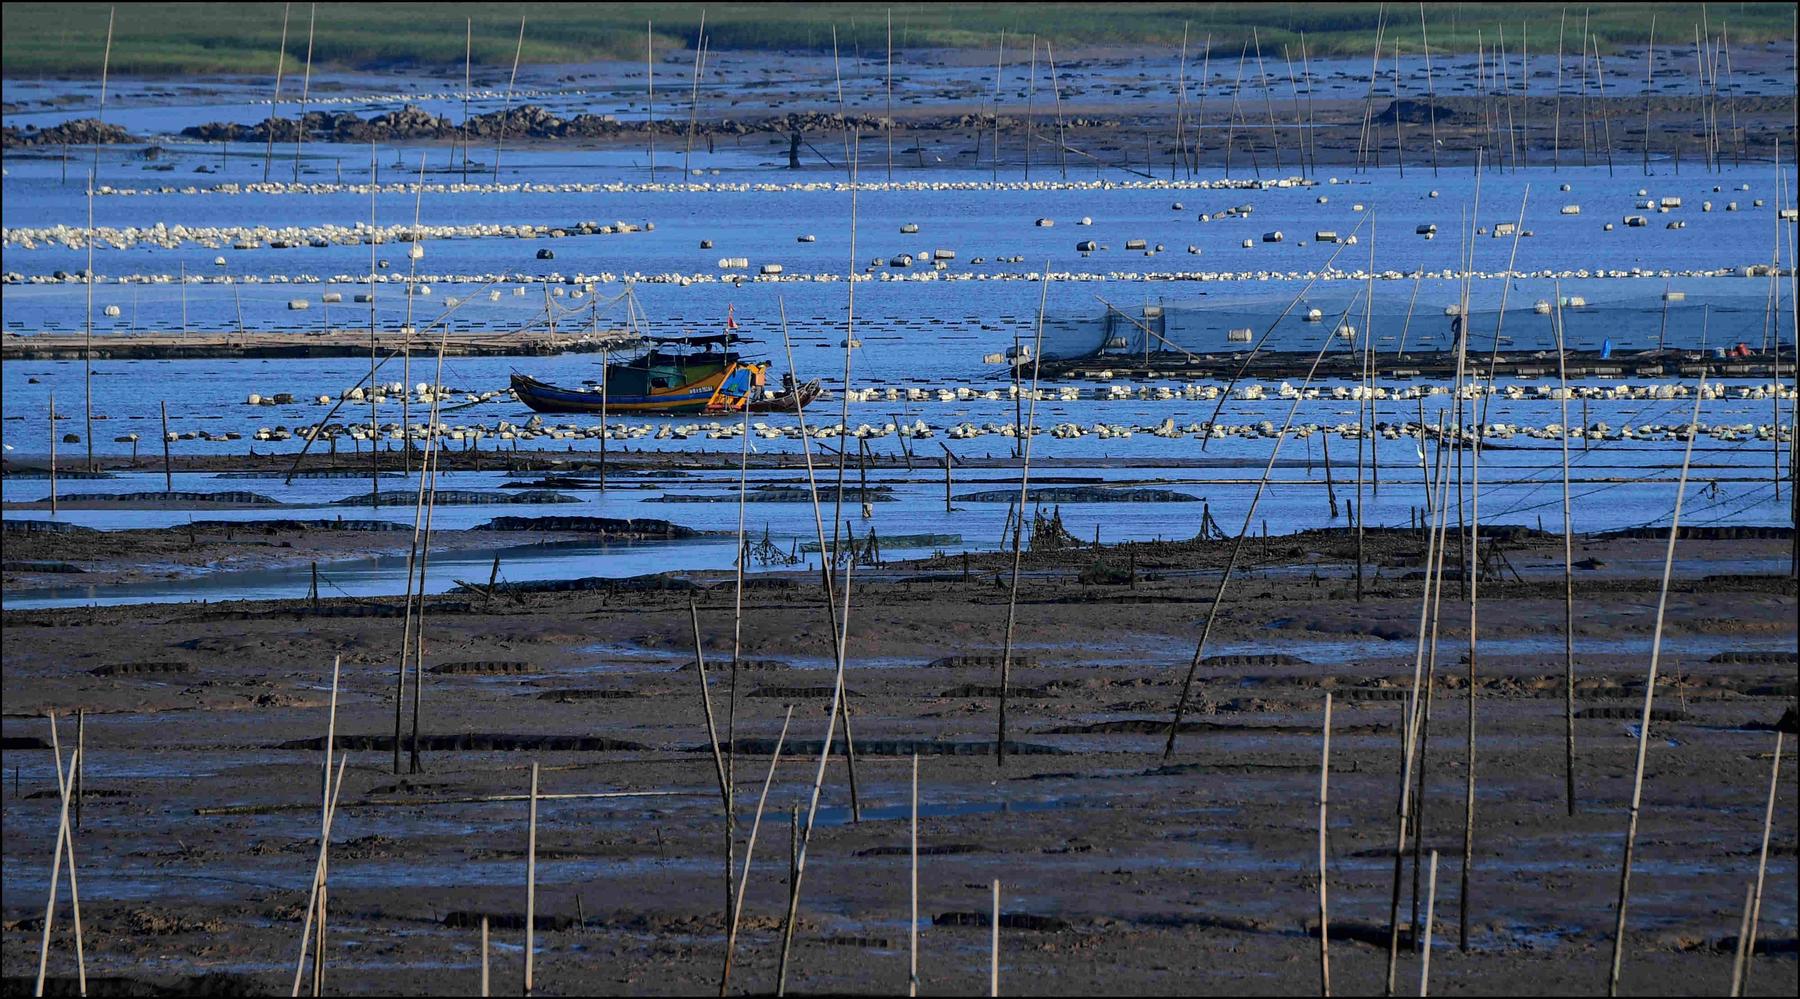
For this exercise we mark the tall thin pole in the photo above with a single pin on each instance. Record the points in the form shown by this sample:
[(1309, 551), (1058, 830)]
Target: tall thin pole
[(1430, 906), (1643, 747), (912, 923), (1649, 78), (87, 354), (305, 90), (468, 83), (1012, 602), (1324, 907), (1062, 148), (999, 65), (53, 454), (1556, 121), (105, 64), (1762, 860), (1180, 103), (694, 101), (374, 424), (275, 105), (650, 84), (1562, 378), (1430, 89), (890, 96), (506, 109), (531, 879)]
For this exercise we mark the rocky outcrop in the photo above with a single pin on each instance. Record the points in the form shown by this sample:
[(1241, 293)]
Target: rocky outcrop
[(80, 132)]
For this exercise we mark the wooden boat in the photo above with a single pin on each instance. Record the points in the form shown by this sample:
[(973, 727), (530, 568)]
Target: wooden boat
[(791, 399), (677, 375)]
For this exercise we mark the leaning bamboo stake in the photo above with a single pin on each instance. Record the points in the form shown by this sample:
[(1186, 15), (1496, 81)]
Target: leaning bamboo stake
[(312, 19), (1410, 736), (694, 102), (87, 352), (432, 454), (650, 84), (1637, 783), (812, 810), (275, 105), (912, 923), (312, 908), (712, 736), (1430, 905), (837, 514), (1762, 860), (1012, 601), (737, 908), (1238, 546), (318, 976), (1741, 956), (994, 944), (506, 109), (63, 838), (1562, 378), (1324, 907), (531, 878)]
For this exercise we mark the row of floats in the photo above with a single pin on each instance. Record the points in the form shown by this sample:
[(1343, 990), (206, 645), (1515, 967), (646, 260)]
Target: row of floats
[(423, 394), (471, 435)]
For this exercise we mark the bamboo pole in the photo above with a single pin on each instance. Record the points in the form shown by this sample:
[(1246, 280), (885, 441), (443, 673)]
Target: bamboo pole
[(1012, 601), (1762, 859), (812, 810), (1180, 103), (105, 67), (650, 84), (168, 471), (1324, 907), (275, 105), (693, 102), (999, 65), (912, 922), (1409, 744), (1431, 94), (312, 19), (1268, 98), (1741, 956), (843, 455), (312, 908), (531, 879), (1238, 545), (994, 944), (890, 96), (87, 350), (1649, 78), (825, 559), (484, 955), (1556, 121), (1430, 905), (1562, 379), (433, 452), (1637, 784), (737, 908), (81, 758), (468, 85), (1062, 147), (63, 839), (712, 736), (53, 454), (506, 108)]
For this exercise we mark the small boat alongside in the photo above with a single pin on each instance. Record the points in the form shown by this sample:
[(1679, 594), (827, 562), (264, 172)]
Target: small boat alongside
[(677, 375), (790, 399)]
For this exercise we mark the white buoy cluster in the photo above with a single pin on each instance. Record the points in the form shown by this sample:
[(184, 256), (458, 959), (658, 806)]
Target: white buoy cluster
[(416, 98), (255, 237)]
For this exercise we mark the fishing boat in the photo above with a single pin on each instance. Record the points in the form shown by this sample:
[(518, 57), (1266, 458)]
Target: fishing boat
[(677, 375)]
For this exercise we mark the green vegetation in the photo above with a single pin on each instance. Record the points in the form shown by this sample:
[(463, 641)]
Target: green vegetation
[(171, 38)]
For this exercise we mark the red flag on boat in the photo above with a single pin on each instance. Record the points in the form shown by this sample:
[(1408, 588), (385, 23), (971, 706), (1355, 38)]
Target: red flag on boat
[(731, 317)]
